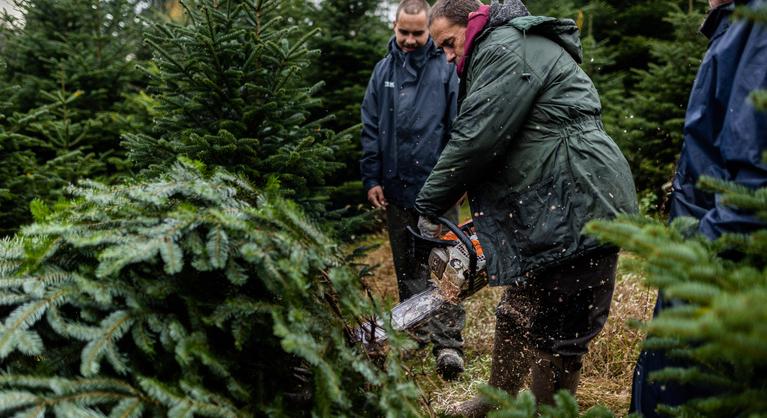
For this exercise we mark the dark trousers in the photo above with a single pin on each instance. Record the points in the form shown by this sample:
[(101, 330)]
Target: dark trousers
[(561, 309), (444, 330), (647, 394)]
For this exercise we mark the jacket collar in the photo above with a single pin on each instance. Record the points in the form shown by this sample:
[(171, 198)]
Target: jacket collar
[(714, 18), (415, 59)]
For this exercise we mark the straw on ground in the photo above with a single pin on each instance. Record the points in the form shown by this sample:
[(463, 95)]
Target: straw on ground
[(607, 370)]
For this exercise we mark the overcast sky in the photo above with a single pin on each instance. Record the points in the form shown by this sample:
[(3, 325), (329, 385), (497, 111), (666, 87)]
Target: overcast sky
[(389, 6), (8, 5)]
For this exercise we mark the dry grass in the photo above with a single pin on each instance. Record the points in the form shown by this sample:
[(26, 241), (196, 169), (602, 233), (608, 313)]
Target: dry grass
[(607, 370)]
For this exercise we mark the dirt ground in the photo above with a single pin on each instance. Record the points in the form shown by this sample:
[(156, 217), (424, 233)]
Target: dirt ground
[(607, 370)]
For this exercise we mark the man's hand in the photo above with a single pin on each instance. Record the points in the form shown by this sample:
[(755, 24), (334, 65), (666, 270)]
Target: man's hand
[(376, 197), (428, 228)]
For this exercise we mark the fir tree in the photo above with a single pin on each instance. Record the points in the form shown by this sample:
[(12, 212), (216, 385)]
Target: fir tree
[(719, 328), (229, 96), (71, 88), (180, 298), (188, 291), (649, 128), (352, 39)]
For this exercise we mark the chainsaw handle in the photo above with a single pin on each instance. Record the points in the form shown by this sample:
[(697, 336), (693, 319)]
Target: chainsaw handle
[(466, 241), (434, 242)]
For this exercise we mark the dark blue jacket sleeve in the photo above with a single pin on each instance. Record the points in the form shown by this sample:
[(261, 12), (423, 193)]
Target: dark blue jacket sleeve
[(744, 135), (370, 163), (725, 135), (724, 138)]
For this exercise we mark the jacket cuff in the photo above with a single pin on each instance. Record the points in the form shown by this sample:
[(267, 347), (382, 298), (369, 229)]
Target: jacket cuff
[(370, 183), (422, 211)]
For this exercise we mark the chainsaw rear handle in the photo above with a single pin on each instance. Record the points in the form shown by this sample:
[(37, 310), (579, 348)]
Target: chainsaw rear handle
[(463, 237)]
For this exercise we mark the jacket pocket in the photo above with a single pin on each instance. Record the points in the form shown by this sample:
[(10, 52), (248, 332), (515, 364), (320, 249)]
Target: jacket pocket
[(542, 218)]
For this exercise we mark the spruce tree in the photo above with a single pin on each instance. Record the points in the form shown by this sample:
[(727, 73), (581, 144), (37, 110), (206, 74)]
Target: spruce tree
[(352, 38), (192, 290), (71, 88), (175, 296), (719, 329), (228, 92), (649, 128)]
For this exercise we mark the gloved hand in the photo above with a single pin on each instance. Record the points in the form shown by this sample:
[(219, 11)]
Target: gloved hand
[(428, 228)]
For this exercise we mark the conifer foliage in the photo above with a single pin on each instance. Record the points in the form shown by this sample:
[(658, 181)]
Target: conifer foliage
[(649, 127), (70, 89), (189, 291), (720, 328), (524, 406), (229, 96), (178, 297)]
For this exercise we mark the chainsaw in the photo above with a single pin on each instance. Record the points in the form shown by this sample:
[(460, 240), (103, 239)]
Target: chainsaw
[(456, 266)]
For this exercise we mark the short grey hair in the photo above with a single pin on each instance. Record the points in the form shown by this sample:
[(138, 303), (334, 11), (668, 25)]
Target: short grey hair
[(455, 11)]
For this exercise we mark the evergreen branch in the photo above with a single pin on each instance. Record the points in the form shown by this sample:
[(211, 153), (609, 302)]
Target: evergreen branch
[(211, 41), (80, 391), (127, 408), (23, 317), (10, 298), (169, 57), (752, 15), (70, 329), (37, 411), (172, 256), (112, 329), (301, 43), (218, 247), (183, 406), (12, 400)]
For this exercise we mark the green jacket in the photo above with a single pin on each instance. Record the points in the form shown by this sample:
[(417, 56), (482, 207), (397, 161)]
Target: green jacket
[(529, 147)]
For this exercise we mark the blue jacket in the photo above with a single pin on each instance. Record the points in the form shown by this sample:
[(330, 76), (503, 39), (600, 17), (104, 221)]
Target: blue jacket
[(724, 135), (406, 114), (724, 138)]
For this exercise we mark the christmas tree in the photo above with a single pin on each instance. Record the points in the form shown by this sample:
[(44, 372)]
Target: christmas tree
[(718, 330), (717, 333), (197, 289), (176, 296), (353, 37), (71, 88), (649, 126), (229, 96)]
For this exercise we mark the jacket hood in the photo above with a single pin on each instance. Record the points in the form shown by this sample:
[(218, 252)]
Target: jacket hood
[(562, 31), (500, 13)]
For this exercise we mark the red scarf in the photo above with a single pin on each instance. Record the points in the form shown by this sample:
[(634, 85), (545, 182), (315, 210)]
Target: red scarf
[(477, 22)]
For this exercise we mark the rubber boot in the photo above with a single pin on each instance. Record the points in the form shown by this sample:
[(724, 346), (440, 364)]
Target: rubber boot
[(511, 363), (552, 373)]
